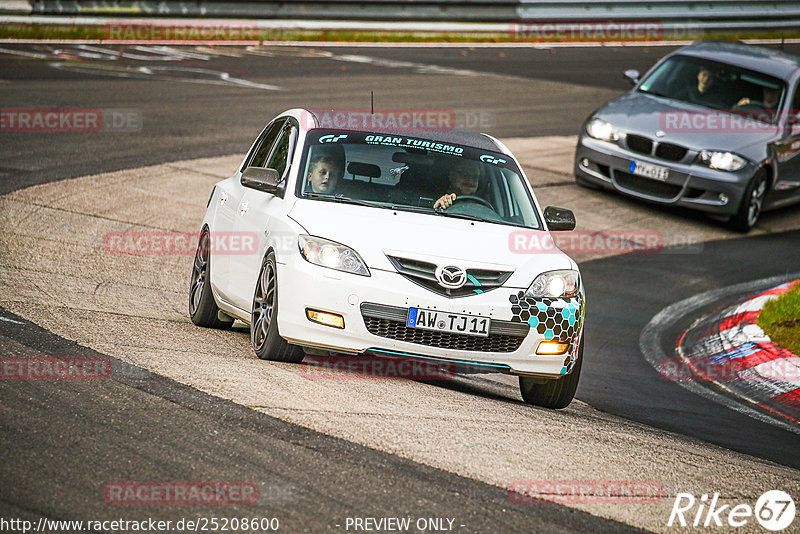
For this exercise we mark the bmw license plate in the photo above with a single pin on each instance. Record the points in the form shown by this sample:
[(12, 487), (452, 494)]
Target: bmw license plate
[(455, 323), (649, 171)]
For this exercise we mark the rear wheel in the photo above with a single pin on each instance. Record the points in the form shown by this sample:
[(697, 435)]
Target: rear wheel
[(267, 343), (554, 393), (750, 208), (203, 309)]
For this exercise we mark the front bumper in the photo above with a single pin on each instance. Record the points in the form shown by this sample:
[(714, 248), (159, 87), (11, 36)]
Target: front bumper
[(689, 185), (374, 310)]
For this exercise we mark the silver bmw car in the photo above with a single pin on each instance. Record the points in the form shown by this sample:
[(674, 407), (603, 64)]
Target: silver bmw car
[(713, 126)]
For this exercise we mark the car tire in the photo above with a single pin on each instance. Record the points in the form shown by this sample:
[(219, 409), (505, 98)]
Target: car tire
[(203, 310), (752, 201), (554, 393), (264, 337)]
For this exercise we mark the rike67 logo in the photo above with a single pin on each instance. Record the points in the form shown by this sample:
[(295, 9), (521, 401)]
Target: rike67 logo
[(774, 510)]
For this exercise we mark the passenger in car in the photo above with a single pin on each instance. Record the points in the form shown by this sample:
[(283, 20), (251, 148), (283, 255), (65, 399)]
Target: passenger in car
[(463, 180), (325, 170), (701, 93)]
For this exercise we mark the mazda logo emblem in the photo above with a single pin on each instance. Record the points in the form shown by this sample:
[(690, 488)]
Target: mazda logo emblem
[(451, 277)]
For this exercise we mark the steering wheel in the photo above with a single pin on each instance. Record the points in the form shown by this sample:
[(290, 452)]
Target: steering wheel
[(753, 104), (473, 198)]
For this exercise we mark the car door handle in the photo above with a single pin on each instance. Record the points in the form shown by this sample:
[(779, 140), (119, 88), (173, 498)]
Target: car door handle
[(223, 198), (242, 208)]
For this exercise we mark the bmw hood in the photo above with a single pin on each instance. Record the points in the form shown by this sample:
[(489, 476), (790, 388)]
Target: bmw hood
[(685, 124), (376, 233)]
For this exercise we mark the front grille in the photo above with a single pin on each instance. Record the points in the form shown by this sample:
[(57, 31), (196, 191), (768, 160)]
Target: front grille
[(424, 274), (666, 151), (639, 144), (646, 186), (670, 152), (389, 322)]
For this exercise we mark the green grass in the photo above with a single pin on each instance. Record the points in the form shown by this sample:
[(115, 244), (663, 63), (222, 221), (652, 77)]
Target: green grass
[(780, 320), (95, 32)]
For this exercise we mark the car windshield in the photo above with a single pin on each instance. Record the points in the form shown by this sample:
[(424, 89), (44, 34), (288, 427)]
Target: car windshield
[(410, 173), (717, 86)]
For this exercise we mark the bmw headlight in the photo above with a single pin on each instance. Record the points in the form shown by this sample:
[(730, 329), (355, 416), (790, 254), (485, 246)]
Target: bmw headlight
[(724, 161), (332, 255), (554, 284), (602, 130)]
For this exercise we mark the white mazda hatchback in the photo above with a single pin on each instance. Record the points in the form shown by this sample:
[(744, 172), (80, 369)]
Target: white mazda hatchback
[(394, 245)]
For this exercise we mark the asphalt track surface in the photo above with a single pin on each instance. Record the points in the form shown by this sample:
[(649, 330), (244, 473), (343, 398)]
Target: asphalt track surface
[(173, 430)]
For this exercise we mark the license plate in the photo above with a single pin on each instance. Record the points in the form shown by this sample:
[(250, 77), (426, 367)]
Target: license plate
[(456, 323), (649, 171)]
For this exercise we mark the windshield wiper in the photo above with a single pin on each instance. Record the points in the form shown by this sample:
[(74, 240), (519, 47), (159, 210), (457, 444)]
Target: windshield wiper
[(416, 209), (461, 216), (342, 198), (656, 93), (419, 209)]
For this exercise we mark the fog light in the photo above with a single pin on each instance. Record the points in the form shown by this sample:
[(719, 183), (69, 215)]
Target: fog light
[(551, 348), (584, 162), (723, 198), (328, 319)]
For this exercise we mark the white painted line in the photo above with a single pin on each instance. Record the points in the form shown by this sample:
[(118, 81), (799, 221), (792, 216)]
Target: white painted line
[(650, 345), (6, 319)]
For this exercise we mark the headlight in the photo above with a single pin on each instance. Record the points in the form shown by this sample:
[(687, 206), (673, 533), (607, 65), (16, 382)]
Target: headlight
[(554, 284), (599, 129), (724, 161), (332, 255)]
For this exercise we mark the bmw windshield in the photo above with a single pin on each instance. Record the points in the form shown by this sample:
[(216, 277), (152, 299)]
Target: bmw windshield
[(717, 86), (415, 174)]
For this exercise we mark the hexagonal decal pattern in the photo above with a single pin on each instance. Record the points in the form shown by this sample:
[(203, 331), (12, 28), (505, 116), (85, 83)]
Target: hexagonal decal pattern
[(557, 319)]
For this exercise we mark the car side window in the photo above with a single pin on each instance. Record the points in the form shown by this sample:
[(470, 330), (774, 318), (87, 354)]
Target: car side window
[(280, 156), (261, 152)]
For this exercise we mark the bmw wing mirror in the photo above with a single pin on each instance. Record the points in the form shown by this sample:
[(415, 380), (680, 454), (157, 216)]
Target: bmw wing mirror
[(262, 179), (632, 75), (559, 219)]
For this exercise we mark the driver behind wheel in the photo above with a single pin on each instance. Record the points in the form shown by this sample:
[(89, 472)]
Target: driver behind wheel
[(463, 180), (771, 95)]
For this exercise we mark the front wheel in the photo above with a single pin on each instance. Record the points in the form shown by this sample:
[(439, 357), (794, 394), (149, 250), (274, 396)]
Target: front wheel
[(750, 208), (267, 343), (554, 393)]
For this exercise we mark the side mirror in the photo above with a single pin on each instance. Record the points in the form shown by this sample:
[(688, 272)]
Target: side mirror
[(262, 179), (632, 75), (559, 218)]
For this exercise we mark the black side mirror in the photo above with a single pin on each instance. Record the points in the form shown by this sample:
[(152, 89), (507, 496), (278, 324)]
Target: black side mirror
[(632, 75), (262, 179), (559, 218)]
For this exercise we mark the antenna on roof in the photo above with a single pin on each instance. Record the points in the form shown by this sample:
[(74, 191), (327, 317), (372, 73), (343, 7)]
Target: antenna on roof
[(372, 102)]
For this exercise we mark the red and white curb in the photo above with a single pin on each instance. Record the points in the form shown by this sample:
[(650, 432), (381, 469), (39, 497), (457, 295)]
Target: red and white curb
[(729, 349)]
